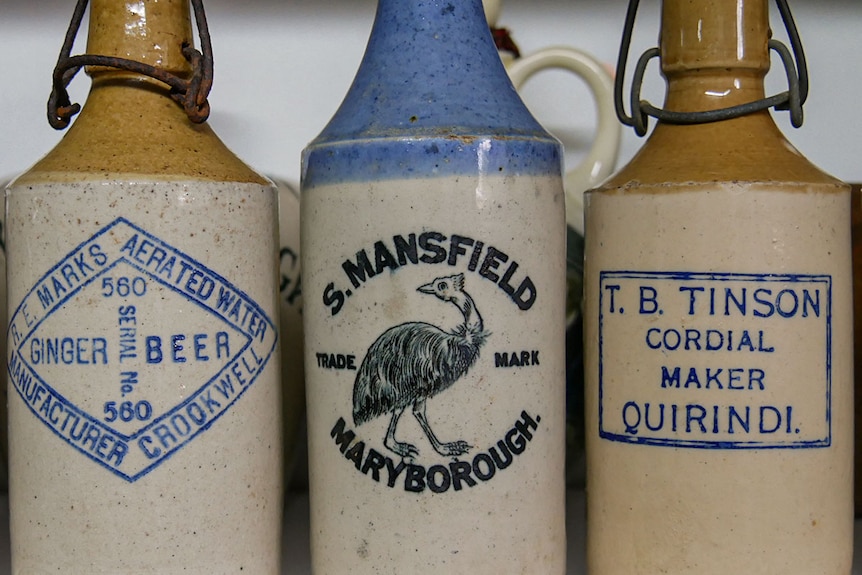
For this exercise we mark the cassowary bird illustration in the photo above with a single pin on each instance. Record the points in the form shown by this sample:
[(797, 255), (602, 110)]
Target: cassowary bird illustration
[(414, 361)]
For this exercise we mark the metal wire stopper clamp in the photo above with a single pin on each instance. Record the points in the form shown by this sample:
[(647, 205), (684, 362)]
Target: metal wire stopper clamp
[(190, 93), (792, 99)]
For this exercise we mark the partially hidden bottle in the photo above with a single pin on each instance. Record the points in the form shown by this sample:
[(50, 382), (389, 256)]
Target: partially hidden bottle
[(719, 329), (433, 230), (292, 349), (143, 358)]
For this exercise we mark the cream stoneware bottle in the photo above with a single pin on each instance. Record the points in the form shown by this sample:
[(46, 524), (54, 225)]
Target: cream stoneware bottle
[(719, 330), (143, 357), (433, 231)]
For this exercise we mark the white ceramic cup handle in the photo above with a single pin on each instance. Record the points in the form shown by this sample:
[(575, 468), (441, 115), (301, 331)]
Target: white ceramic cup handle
[(602, 157)]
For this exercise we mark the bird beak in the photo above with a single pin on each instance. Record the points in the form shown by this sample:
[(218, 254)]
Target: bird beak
[(427, 288)]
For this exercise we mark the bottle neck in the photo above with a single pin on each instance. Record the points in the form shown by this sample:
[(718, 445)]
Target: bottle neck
[(706, 90), (430, 69), (130, 100), (433, 22), (151, 32), (714, 53), (148, 31)]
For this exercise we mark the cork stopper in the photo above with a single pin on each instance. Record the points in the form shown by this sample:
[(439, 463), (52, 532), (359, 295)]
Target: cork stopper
[(714, 34), (149, 31)]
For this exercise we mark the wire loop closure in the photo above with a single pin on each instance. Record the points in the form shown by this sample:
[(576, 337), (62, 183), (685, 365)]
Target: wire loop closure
[(791, 100), (190, 93)]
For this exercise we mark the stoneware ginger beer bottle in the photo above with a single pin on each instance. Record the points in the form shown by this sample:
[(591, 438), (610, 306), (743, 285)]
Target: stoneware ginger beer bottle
[(433, 232), (718, 325), (144, 402)]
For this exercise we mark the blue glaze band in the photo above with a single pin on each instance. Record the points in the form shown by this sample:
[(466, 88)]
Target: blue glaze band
[(430, 97), (427, 158)]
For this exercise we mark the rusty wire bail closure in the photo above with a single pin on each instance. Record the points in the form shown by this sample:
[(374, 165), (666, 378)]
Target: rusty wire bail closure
[(791, 100), (191, 94)]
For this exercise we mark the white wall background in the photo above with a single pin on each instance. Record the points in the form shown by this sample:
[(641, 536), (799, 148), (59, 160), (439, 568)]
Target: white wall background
[(282, 67)]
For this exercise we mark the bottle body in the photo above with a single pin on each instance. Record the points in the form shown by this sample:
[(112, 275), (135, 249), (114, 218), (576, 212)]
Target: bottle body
[(491, 391), (136, 389), (721, 409), (433, 237)]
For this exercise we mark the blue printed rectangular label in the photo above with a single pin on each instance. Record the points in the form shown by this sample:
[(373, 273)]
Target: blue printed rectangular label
[(715, 360)]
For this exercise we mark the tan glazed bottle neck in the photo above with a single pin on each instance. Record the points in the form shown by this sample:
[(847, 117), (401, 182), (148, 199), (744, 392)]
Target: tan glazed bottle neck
[(714, 55), (129, 126), (149, 31)]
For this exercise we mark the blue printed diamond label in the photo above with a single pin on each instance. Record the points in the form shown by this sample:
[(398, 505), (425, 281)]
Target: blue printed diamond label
[(128, 349)]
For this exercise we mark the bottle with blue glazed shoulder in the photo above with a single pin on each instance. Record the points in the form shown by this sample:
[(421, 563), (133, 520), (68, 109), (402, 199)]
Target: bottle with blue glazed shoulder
[(434, 275)]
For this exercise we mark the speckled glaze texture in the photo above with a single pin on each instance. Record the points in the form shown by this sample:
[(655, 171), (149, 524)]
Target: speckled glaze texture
[(144, 413), (430, 90), (433, 261), (730, 449)]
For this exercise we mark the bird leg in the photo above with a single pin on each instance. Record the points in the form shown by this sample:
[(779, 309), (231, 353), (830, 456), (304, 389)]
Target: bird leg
[(454, 448), (405, 450)]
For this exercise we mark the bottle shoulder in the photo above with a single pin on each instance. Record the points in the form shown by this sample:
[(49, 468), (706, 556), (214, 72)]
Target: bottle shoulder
[(134, 131), (748, 149)]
